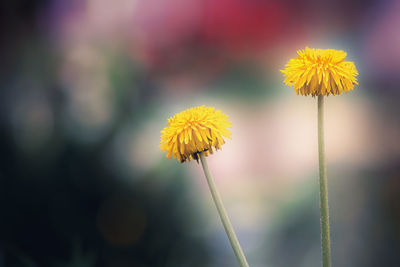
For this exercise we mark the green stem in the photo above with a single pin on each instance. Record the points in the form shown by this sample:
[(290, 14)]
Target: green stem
[(323, 188), (222, 214)]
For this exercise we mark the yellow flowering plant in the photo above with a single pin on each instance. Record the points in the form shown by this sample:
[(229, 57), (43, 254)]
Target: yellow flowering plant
[(195, 130), (193, 134), (321, 72)]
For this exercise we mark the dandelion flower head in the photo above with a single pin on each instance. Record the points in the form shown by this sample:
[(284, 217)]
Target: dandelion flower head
[(195, 130), (320, 72)]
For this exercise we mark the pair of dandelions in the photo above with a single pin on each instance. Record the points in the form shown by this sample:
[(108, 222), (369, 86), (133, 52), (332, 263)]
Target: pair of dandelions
[(194, 133)]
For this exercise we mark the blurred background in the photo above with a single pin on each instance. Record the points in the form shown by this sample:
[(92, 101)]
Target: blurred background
[(87, 86)]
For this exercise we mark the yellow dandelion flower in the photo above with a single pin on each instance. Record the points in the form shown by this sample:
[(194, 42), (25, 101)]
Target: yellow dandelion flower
[(193, 131), (320, 72)]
